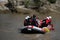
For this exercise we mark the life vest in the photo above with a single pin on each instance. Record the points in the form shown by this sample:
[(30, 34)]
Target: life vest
[(41, 22), (48, 20)]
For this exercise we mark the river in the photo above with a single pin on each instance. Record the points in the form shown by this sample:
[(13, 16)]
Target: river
[(10, 24)]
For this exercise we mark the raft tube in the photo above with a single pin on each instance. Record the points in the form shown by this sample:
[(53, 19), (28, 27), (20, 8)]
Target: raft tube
[(32, 29)]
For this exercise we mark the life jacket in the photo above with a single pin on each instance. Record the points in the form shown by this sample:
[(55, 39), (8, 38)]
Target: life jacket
[(48, 20), (41, 22)]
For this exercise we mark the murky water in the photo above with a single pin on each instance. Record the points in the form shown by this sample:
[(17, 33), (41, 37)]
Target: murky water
[(10, 23)]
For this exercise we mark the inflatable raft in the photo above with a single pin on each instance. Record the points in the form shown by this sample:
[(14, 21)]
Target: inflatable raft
[(34, 29)]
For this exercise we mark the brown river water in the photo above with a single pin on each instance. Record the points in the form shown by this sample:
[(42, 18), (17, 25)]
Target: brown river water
[(10, 23)]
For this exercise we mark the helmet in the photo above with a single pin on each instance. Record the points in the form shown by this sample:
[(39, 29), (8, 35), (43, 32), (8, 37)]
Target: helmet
[(50, 17), (47, 17), (46, 29), (27, 17)]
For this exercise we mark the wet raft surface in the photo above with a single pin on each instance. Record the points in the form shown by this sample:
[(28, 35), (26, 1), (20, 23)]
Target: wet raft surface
[(10, 24)]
